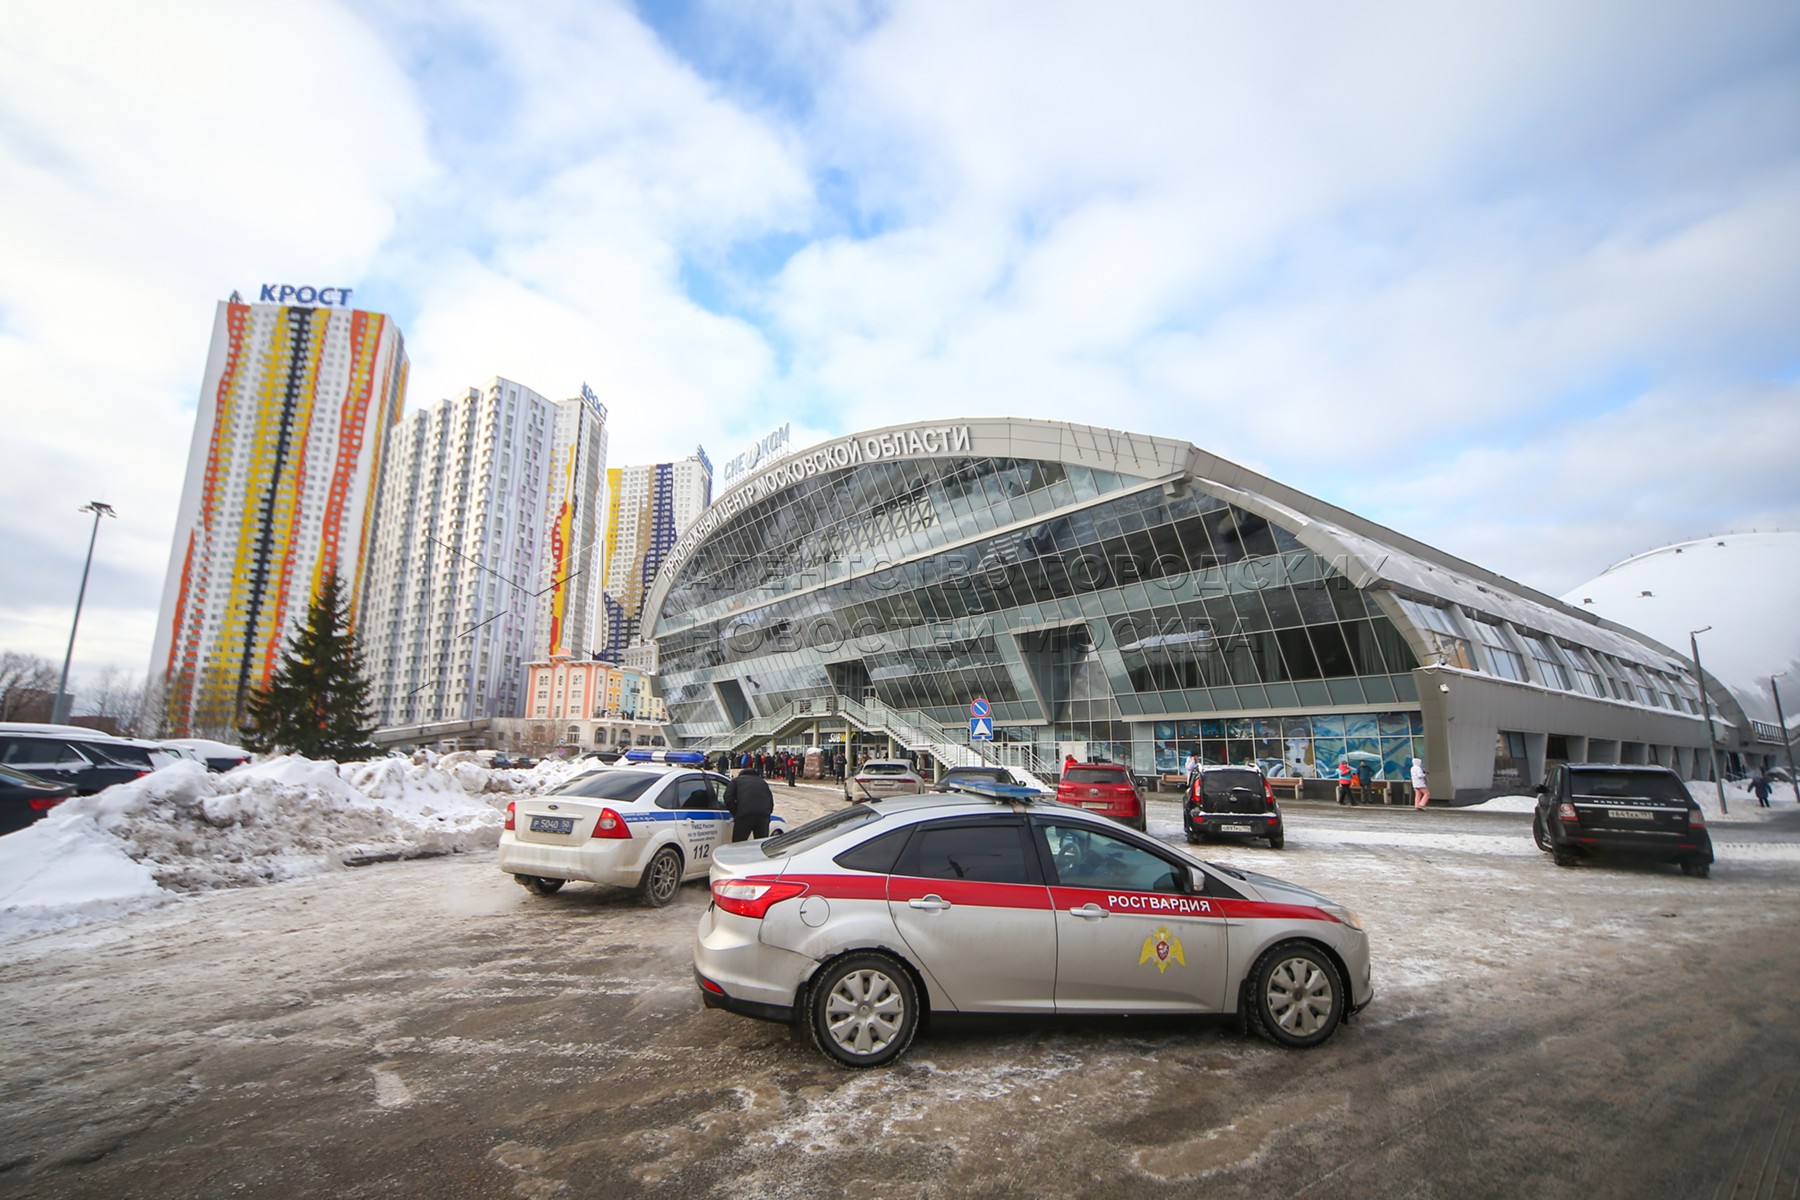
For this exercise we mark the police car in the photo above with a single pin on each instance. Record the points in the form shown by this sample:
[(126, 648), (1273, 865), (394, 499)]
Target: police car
[(649, 823), (858, 925)]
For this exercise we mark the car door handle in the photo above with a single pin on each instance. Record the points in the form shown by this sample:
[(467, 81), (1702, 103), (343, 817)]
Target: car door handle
[(1090, 911), (932, 903)]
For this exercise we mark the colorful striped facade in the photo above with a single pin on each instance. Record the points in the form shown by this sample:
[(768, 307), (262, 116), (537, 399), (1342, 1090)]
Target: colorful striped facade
[(281, 489), (647, 508)]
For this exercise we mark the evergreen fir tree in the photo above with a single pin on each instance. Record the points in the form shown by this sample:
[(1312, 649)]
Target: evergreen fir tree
[(317, 703)]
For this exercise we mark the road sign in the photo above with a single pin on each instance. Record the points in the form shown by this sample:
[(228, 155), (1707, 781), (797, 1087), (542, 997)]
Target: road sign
[(981, 729), (979, 707)]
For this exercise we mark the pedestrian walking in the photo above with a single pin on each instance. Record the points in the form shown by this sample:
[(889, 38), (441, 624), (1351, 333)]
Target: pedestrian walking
[(1421, 793), (749, 801), (1345, 778), (1193, 767), (1362, 781), (1760, 785)]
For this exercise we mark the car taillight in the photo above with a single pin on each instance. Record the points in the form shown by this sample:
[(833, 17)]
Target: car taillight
[(1696, 819), (46, 803), (611, 825), (1268, 796), (1566, 812), (752, 897), (512, 812)]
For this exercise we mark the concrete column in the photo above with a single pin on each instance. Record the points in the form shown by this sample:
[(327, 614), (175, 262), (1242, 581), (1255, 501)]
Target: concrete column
[(1535, 748), (1603, 750), (1578, 747)]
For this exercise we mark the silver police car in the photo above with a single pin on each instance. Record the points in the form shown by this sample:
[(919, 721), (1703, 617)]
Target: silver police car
[(857, 924)]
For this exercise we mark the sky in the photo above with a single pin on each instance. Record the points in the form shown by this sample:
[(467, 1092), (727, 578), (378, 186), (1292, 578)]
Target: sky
[(1521, 281)]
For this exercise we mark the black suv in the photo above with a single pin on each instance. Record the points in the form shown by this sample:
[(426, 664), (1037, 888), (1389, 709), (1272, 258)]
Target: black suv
[(89, 766), (1585, 809), (1232, 802)]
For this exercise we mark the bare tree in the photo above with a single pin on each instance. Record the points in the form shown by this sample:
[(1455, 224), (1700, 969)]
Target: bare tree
[(119, 697), (27, 687)]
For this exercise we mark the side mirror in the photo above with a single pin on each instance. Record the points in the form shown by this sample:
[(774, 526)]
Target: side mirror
[(1541, 790)]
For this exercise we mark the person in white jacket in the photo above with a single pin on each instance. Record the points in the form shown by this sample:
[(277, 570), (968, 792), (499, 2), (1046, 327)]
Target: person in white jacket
[(1421, 793)]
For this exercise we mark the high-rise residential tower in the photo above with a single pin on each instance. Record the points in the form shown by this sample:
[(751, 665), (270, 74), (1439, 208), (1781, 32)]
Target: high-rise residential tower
[(281, 489), (489, 524), (647, 508)]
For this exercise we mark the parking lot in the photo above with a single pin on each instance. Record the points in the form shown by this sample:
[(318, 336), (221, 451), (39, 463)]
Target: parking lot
[(429, 1028)]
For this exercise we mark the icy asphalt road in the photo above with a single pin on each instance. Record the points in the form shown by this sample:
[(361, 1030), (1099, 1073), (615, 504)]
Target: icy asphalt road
[(429, 1029)]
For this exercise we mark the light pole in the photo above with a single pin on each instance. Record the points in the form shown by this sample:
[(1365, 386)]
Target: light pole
[(1712, 743), (60, 711), (1786, 742)]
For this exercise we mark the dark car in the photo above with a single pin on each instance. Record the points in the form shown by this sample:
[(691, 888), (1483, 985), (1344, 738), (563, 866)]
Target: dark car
[(1232, 802), (25, 798), (88, 766), (955, 777), (1588, 809), (1105, 788)]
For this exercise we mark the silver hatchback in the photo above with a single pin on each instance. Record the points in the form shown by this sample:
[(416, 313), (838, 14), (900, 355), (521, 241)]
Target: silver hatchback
[(857, 924)]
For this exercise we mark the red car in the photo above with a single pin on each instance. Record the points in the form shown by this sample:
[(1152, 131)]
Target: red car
[(1105, 788)]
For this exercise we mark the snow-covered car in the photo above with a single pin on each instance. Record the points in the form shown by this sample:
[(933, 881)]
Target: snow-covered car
[(649, 827), (856, 925)]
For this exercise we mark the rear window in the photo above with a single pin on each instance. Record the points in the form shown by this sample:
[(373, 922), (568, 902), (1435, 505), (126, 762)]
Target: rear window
[(610, 785), (882, 768), (1642, 785), (977, 774), (1095, 775), (1220, 783), (819, 831)]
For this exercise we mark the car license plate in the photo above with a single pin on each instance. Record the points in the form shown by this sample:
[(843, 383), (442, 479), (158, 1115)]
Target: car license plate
[(553, 824), (1096, 804), (1235, 829), (1630, 814)]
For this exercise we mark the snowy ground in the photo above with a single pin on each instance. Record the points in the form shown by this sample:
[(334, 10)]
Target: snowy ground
[(182, 830)]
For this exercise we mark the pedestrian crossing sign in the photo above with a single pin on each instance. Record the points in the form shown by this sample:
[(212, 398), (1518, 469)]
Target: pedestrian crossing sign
[(981, 729)]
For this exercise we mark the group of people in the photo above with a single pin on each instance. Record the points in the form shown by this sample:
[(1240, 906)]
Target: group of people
[(1353, 782)]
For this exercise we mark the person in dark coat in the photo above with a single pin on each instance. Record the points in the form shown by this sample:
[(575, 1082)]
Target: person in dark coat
[(1760, 785), (749, 801)]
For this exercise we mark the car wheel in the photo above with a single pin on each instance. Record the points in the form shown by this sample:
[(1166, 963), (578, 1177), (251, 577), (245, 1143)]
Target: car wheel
[(662, 878), (864, 1010), (1277, 840), (537, 885), (1698, 870), (1564, 858), (1296, 996), (1193, 838), (1538, 832)]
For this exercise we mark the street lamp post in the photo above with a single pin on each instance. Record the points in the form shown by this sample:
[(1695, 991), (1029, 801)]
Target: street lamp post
[(1712, 743), (60, 711), (1786, 742)]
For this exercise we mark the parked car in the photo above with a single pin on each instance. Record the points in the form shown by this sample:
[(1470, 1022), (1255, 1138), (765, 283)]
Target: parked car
[(1588, 809), (956, 776), (25, 799), (648, 827), (218, 756), (855, 926), (1105, 788), (880, 777), (1232, 802), (87, 764)]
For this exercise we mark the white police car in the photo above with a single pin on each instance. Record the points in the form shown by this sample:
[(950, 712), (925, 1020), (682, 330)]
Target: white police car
[(856, 925), (649, 823)]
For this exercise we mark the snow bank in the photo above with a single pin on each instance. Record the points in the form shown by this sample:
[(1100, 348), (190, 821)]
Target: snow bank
[(183, 829)]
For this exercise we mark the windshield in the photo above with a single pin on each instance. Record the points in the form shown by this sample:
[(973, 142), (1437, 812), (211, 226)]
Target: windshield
[(610, 785), (816, 832), (1639, 785)]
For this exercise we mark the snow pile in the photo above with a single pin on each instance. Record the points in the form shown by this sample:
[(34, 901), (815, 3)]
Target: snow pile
[(183, 829)]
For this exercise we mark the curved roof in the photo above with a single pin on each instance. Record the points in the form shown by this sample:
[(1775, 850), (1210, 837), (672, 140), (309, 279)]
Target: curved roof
[(1746, 586), (1360, 549)]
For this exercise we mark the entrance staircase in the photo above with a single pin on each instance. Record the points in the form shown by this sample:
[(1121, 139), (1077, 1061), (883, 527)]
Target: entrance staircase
[(908, 728)]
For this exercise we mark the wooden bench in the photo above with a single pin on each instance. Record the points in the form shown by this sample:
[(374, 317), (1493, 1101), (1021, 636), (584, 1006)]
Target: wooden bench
[(1285, 789), (1171, 781)]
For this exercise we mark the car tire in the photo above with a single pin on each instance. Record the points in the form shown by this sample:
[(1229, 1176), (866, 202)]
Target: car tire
[(1277, 840), (1538, 833), (539, 885), (1564, 858), (662, 877), (863, 1010), (1193, 838), (1698, 870), (1295, 995)]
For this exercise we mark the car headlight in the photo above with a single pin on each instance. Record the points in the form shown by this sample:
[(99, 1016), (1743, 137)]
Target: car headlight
[(1346, 915)]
